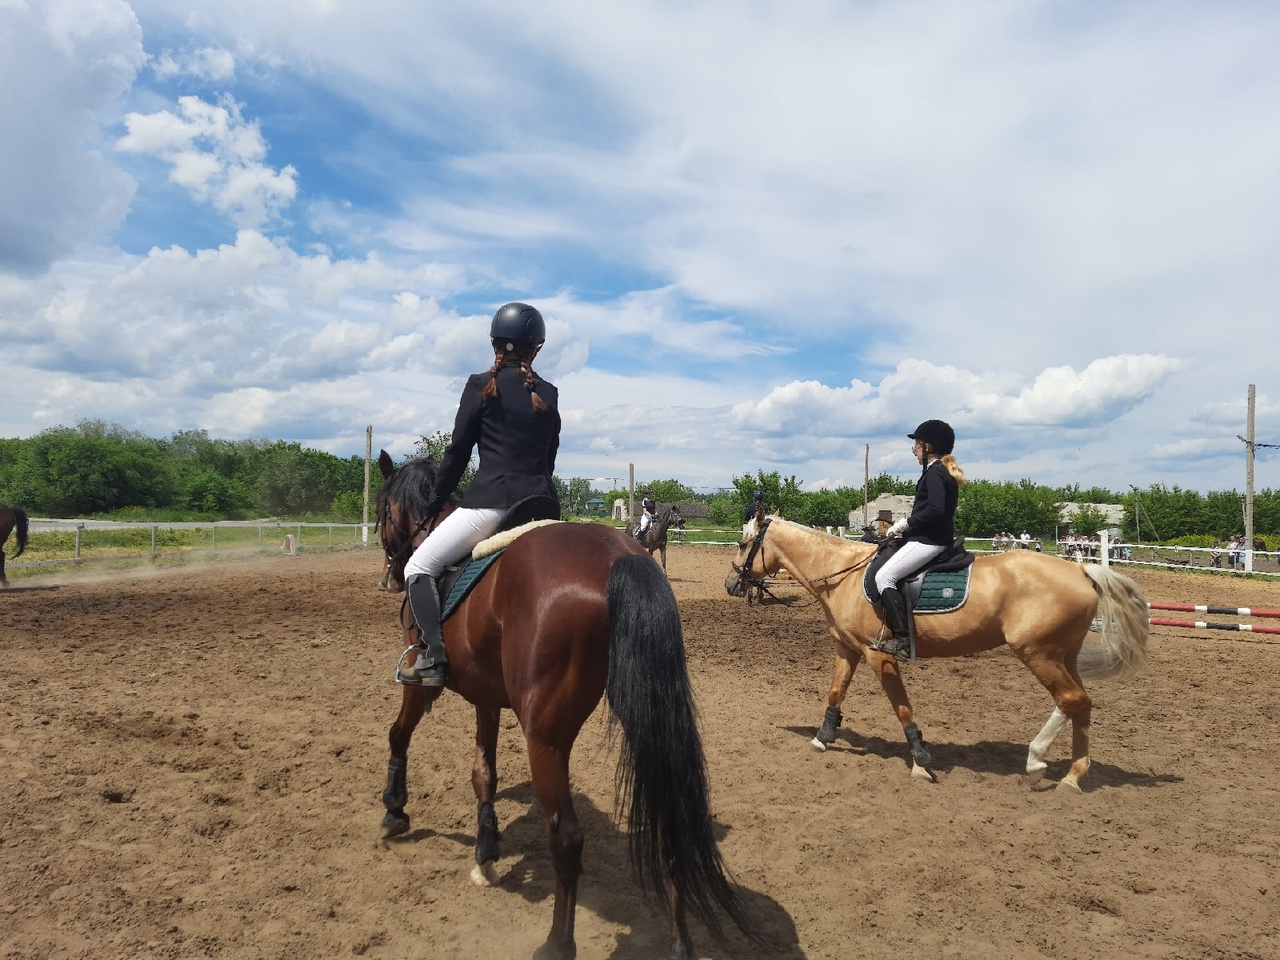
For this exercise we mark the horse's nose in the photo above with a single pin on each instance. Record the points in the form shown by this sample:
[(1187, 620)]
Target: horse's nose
[(733, 585)]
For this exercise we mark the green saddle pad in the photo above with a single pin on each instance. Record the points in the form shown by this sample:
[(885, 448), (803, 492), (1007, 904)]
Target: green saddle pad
[(943, 592), (469, 577)]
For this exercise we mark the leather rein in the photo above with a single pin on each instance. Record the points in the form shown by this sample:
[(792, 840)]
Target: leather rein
[(746, 580)]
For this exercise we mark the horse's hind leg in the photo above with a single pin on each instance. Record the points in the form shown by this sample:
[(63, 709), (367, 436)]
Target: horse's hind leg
[(549, 768), (484, 780), (1070, 701), (846, 664)]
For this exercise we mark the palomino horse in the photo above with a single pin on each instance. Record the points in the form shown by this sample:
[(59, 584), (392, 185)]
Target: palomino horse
[(570, 612), (11, 519), (1041, 606), (655, 538)]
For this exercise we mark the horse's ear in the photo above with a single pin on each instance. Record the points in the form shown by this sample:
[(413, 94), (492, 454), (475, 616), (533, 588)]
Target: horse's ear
[(385, 464)]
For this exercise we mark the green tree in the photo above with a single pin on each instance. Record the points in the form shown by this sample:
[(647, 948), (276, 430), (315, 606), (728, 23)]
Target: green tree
[(434, 447), (579, 494), (986, 508), (1088, 520), (667, 491), (781, 495)]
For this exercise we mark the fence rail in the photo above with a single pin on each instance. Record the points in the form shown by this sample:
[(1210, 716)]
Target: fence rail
[(54, 544)]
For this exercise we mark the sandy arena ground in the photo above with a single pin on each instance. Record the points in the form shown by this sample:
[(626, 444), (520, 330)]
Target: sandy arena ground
[(193, 762)]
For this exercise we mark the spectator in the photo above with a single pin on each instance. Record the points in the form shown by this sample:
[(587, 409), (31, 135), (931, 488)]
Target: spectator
[(1215, 553)]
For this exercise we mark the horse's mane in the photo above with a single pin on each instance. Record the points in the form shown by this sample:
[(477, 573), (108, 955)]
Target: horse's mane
[(411, 486)]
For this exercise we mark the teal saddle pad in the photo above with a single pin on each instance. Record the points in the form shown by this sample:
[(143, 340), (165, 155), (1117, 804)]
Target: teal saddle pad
[(943, 592), (468, 577)]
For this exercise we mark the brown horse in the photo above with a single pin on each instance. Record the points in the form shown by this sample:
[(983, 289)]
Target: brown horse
[(568, 613), (1041, 606), (12, 520), (655, 538)]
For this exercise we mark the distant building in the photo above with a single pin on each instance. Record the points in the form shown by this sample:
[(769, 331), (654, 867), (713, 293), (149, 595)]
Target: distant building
[(882, 511), (596, 505), (1114, 512)]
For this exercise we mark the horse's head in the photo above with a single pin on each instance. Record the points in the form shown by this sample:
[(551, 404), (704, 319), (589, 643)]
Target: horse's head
[(677, 518), (750, 557), (403, 518)]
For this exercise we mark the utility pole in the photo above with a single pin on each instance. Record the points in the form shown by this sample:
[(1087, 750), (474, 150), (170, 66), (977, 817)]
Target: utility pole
[(1248, 487), (866, 483), (368, 455)]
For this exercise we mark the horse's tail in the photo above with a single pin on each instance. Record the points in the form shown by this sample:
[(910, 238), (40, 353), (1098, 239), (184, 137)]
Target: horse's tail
[(20, 529), (662, 779), (1122, 612)]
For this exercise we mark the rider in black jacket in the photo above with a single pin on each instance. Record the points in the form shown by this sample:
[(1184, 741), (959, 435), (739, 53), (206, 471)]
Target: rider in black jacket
[(509, 414), (926, 533)]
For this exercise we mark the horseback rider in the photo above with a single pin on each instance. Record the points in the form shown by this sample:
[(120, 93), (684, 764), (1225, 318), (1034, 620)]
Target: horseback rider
[(926, 533), (648, 513), (754, 508), (511, 414)]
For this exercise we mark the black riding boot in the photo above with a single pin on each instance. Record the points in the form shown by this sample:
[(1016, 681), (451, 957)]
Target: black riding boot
[(431, 667), (895, 616)]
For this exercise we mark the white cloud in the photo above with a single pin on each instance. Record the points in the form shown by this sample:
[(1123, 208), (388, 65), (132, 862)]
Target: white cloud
[(216, 156), (64, 67)]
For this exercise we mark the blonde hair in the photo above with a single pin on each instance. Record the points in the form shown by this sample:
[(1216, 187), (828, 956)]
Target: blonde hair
[(521, 357), (953, 468)]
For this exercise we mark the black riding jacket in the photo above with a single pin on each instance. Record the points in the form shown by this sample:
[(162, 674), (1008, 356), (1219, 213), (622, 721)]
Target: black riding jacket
[(517, 444), (933, 514)]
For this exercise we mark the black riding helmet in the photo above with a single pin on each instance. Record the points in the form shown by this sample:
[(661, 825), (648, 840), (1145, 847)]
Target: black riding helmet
[(937, 434), (518, 324)]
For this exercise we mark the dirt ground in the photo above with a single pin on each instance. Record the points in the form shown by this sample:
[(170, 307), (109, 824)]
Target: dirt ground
[(192, 764)]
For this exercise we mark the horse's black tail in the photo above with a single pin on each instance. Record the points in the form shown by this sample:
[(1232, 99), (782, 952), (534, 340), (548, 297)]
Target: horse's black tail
[(20, 529), (662, 778)]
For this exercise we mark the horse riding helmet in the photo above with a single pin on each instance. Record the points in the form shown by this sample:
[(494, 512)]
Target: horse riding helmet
[(937, 434), (518, 324)]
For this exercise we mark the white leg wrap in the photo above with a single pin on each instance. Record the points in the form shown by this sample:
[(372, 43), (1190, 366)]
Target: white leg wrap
[(1044, 740)]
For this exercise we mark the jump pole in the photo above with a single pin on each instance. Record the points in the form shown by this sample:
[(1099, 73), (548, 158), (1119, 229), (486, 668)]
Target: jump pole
[(1205, 625)]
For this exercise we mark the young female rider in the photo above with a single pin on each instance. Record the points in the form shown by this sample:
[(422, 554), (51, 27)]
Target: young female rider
[(927, 532), (510, 413)]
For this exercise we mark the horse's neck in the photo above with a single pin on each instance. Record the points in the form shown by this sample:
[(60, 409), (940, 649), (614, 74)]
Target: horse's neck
[(808, 555)]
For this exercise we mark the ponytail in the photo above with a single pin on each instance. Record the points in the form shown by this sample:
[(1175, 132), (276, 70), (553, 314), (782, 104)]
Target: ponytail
[(953, 468)]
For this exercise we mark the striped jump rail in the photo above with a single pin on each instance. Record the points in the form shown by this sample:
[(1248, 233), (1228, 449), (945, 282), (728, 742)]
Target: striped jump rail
[(1206, 625)]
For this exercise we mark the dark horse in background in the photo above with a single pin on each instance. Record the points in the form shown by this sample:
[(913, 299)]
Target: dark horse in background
[(655, 538), (568, 613), (12, 520)]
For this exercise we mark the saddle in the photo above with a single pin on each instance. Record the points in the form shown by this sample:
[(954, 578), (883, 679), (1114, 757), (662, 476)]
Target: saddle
[(457, 580), (940, 586)]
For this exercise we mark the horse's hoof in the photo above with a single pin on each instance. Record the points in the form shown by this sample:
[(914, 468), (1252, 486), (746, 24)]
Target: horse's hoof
[(1071, 787), (394, 826), (556, 951), (484, 874), (1035, 777), (818, 745), (920, 773)]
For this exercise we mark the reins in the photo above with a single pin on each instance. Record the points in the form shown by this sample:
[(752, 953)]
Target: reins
[(760, 583)]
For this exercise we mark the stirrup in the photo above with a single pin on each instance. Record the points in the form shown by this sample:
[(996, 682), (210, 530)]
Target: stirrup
[(900, 650), (435, 674)]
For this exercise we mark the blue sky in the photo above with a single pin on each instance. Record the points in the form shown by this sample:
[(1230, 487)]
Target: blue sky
[(764, 236)]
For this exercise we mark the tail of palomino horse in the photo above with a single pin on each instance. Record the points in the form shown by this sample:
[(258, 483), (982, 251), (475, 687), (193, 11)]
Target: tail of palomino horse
[(19, 530), (1122, 612), (662, 779)]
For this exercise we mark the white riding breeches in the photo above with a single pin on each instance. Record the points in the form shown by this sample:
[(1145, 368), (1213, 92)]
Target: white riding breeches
[(909, 558), (453, 538)]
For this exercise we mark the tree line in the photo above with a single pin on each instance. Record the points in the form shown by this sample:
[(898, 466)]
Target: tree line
[(102, 469)]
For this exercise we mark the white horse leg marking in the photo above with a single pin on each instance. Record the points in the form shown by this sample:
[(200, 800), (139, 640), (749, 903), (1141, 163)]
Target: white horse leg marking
[(1036, 765)]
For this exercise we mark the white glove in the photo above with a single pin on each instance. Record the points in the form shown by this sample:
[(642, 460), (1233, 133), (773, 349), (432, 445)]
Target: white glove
[(897, 528)]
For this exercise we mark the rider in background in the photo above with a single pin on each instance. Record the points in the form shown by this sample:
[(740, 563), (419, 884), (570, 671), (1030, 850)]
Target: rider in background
[(754, 509), (648, 513), (926, 533), (511, 414)]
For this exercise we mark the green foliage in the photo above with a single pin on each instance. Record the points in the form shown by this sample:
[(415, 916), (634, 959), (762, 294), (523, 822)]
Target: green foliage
[(434, 447), (781, 495), (667, 491), (1088, 520), (985, 508)]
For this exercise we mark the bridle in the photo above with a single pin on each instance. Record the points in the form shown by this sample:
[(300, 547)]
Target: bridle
[(398, 559), (746, 580)]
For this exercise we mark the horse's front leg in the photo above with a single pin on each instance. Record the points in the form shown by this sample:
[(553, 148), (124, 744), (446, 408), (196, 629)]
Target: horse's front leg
[(846, 664), (414, 702), (484, 780), (886, 669)]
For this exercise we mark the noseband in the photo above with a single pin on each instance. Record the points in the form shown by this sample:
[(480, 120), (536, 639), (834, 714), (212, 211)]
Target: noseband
[(745, 578)]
